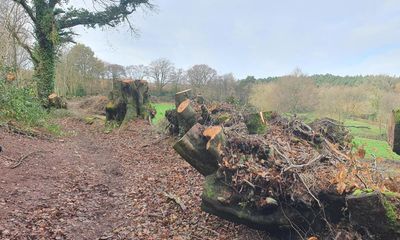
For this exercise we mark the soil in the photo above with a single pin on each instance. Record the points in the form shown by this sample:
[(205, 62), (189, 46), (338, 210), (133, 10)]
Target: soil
[(90, 184)]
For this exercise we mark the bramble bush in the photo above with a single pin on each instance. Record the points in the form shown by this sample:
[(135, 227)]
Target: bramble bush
[(20, 104)]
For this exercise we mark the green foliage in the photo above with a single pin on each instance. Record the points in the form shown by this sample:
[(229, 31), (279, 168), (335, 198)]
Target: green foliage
[(375, 148), (80, 91), (370, 130), (21, 105), (254, 124), (391, 211), (161, 108)]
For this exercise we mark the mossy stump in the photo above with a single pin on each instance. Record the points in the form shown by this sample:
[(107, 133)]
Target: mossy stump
[(376, 213), (394, 131), (129, 100), (256, 123)]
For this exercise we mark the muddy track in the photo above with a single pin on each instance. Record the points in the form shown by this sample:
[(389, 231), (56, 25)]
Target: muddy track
[(94, 185)]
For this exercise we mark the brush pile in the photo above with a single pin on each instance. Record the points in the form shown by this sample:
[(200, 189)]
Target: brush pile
[(282, 175)]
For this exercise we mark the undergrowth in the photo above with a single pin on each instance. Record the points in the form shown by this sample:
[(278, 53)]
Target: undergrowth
[(20, 104)]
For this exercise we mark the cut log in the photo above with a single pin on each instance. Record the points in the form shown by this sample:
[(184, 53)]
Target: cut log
[(374, 212), (11, 77), (394, 131), (220, 200), (192, 147), (216, 141), (129, 100), (56, 101), (200, 99), (186, 116), (182, 96)]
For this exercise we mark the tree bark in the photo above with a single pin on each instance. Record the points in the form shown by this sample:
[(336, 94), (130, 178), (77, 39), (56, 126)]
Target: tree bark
[(394, 131), (186, 116), (202, 148), (128, 101), (182, 96)]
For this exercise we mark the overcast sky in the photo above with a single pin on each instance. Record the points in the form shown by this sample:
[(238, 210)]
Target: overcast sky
[(261, 37)]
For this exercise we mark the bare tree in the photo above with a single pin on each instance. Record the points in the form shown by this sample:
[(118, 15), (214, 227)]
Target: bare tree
[(138, 72), (178, 78), (115, 71), (200, 75), (14, 32), (293, 93), (53, 22), (160, 71)]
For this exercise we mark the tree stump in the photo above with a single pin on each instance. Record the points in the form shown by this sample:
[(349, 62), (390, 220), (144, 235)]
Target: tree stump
[(129, 100), (56, 101), (202, 148), (374, 212), (394, 131), (182, 96)]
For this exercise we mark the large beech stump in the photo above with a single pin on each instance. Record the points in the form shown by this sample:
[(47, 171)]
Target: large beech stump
[(202, 148), (129, 100), (394, 131), (375, 212)]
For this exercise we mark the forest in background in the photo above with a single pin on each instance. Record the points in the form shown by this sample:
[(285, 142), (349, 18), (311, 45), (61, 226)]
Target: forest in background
[(79, 72)]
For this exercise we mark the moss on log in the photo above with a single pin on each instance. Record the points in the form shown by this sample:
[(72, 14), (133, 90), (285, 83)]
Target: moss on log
[(129, 100), (195, 149), (256, 123), (376, 213), (218, 199), (186, 116)]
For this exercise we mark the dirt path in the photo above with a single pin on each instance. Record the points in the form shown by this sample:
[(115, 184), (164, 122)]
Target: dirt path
[(93, 185)]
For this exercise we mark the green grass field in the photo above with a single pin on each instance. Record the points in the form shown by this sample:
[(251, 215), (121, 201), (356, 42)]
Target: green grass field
[(161, 109), (374, 131), (375, 148), (372, 139)]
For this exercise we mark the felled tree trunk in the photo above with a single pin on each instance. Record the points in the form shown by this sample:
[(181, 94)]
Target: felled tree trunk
[(202, 148), (394, 131), (128, 101), (375, 212), (182, 96), (186, 116), (220, 200)]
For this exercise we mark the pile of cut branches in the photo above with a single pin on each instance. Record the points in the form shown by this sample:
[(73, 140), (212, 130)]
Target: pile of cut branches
[(271, 172)]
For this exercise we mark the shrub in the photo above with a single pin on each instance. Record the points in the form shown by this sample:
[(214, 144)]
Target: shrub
[(20, 104)]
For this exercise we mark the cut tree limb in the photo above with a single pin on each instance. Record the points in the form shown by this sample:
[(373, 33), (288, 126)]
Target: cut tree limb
[(186, 116), (193, 148), (182, 96), (216, 141)]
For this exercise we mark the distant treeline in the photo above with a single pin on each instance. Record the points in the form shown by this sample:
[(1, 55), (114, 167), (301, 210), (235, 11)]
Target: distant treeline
[(335, 80)]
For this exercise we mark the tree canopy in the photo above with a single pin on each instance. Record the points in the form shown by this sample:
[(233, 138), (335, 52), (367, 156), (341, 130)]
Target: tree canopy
[(53, 22)]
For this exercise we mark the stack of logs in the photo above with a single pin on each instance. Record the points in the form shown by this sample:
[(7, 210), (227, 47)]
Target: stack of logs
[(281, 175)]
